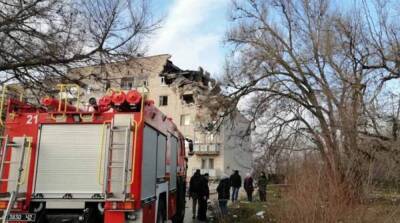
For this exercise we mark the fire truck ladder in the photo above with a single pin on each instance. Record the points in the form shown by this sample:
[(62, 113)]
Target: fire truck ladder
[(14, 195), (116, 146)]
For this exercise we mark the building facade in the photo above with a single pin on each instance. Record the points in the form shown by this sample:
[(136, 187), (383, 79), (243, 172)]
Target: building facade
[(177, 94)]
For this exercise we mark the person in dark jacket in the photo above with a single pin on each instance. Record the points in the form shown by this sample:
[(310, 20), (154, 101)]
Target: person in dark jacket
[(249, 187), (194, 189), (204, 194), (262, 187), (236, 183), (223, 193)]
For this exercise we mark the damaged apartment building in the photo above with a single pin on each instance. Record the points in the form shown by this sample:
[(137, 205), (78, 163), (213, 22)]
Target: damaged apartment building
[(179, 94)]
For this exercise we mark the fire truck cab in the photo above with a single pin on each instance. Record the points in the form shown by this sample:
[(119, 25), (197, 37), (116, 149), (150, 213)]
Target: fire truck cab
[(122, 161)]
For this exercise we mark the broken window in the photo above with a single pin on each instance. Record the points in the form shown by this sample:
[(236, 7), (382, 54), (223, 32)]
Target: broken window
[(162, 80), (188, 99), (163, 100), (127, 83), (185, 119)]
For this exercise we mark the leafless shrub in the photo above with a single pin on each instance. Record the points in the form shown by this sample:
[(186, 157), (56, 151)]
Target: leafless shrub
[(41, 39), (312, 198), (308, 74)]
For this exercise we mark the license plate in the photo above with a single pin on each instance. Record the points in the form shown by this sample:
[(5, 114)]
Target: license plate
[(28, 217)]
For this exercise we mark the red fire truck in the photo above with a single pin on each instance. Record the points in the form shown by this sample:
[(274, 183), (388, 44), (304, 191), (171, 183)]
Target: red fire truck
[(122, 161)]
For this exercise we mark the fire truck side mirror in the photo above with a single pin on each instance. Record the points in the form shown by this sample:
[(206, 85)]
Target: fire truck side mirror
[(190, 146)]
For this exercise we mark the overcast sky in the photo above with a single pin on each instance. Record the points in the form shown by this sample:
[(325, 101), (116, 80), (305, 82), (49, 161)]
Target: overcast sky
[(192, 32)]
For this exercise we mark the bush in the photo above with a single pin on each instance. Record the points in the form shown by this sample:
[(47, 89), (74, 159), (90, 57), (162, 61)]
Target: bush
[(311, 197)]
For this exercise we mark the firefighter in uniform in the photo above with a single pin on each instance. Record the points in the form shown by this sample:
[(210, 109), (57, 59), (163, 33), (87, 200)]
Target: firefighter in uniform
[(204, 194), (194, 188)]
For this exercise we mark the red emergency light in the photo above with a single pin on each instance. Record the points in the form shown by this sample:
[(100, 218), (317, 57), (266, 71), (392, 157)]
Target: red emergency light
[(105, 101), (56, 104), (133, 97), (119, 98)]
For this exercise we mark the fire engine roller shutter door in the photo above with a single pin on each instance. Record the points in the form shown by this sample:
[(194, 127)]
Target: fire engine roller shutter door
[(149, 163), (161, 152), (173, 166), (68, 160)]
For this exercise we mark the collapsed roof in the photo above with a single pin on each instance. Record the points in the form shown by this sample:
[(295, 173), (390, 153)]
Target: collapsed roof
[(196, 87), (189, 82)]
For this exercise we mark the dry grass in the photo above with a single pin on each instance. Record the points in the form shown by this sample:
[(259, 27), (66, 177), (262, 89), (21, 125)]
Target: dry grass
[(310, 198), (246, 212), (377, 211), (313, 198)]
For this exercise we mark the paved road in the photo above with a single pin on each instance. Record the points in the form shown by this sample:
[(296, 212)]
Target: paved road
[(188, 211)]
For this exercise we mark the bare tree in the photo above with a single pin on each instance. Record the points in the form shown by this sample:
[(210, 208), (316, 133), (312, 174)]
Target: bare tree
[(42, 39), (307, 71)]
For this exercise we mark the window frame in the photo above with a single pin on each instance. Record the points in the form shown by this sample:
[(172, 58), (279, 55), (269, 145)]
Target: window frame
[(182, 122), (205, 166), (127, 83), (162, 81), (165, 100), (211, 161)]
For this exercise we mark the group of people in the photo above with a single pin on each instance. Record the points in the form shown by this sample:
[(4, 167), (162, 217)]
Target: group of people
[(262, 186), (235, 181), (199, 191)]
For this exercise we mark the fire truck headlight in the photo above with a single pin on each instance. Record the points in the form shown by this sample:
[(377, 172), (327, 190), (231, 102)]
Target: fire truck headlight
[(76, 118), (131, 216), (114, 205)]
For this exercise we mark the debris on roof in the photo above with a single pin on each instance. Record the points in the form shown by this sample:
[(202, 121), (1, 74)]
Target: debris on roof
[(198, 88)]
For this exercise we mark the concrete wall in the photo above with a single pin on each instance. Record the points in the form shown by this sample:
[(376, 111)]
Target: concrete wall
[(237, 147)]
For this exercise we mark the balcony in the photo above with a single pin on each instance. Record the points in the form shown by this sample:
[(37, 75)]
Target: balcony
[(206, 148)]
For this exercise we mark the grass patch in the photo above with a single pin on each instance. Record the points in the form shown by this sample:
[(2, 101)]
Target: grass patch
[(245, 212), (385, 209)]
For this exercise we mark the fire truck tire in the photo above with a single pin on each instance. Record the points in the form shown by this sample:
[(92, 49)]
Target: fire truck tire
[(41, 217)]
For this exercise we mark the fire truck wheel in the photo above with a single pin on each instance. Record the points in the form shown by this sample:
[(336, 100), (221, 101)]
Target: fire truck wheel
[(160, 212)]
